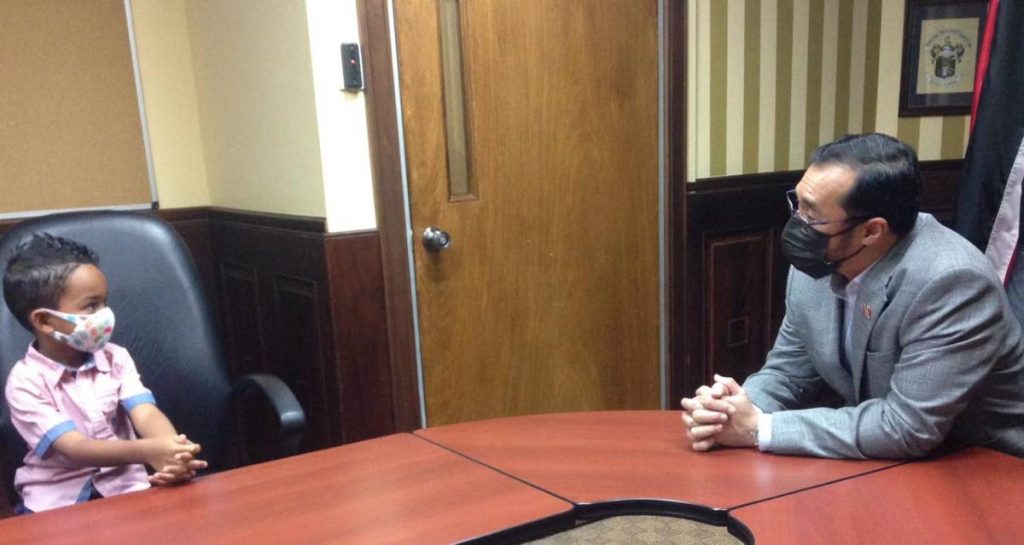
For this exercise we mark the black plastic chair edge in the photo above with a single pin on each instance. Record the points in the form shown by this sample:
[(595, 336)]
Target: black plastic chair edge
[(291, 417)]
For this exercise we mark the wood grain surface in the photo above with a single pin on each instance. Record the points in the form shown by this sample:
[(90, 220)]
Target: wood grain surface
[(438, 488), (595, 457), (547, 299), (397, 489), (971, 497)]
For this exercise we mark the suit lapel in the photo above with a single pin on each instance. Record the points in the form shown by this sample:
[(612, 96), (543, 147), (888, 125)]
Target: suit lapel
[(835, 340), (871, 302)]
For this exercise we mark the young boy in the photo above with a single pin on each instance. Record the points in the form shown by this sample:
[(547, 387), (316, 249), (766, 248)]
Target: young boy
[(75, 398)]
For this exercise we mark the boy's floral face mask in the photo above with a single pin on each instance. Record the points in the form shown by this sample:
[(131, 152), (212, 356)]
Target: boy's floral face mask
[(92, 331)]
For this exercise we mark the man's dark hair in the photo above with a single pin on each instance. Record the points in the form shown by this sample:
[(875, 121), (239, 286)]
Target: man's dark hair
[(888, 182), (37, 272)]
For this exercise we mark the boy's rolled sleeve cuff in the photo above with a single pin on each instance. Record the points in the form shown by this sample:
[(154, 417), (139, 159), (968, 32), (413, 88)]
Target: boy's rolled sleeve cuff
[(138, 399), (54, 433)]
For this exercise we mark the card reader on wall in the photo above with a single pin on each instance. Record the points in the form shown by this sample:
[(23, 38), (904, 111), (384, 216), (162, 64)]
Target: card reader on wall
[(352, 67)]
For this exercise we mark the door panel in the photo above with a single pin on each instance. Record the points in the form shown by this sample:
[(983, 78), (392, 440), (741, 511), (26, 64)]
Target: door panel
[(547, 299)]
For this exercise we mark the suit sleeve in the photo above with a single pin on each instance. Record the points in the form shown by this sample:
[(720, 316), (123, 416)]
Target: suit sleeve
[(788, 379), (948, 341)]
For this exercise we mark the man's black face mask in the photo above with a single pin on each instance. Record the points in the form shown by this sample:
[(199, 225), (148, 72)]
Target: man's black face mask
[(806, 248)]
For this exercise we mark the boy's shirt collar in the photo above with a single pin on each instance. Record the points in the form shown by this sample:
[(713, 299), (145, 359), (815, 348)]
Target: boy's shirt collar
[(53, 370)]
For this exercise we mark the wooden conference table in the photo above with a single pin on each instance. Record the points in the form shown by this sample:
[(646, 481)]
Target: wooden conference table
[(514, 479), (971, 497)]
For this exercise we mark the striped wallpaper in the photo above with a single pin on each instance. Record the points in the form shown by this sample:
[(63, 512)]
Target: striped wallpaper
[(771, 80)]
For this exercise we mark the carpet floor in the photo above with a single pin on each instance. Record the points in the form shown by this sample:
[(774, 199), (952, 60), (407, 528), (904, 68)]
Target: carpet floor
[(643, 530)]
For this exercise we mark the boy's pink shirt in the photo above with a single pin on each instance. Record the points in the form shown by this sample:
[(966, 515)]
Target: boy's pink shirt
[(48, 400)]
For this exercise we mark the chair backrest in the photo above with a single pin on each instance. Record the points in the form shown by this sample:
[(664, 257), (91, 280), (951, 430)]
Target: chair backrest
[(163, 320)]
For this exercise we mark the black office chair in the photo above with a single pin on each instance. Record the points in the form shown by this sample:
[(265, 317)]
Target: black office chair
[(165, 323)]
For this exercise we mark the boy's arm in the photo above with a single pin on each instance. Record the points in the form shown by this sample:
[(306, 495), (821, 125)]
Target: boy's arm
[(149, 421), (136, 399), (44, 425), (159, 453)]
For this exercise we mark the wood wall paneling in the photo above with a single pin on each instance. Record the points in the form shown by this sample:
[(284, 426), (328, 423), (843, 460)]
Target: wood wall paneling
[(299, 353), (242, 327), (732, 227), (941, 182), (370, 400), (738, 293), (274, 303), (307, 306), (193, 224)]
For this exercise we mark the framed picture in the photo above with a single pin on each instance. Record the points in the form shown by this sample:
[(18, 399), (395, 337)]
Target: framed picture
[(941, 40)]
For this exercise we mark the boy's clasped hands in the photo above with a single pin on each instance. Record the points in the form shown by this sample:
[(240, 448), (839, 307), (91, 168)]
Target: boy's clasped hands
[(174, 459)]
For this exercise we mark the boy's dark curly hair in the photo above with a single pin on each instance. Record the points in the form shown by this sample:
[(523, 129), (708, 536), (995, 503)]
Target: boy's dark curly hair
[(38, 271)]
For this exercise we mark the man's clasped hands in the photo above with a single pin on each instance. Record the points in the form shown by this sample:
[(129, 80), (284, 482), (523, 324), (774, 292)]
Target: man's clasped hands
[(720, 414)]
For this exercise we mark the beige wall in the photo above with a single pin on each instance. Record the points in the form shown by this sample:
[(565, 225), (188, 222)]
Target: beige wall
[(256, 107), (773, 79), (341, 119), (246, 109), (168, 84)]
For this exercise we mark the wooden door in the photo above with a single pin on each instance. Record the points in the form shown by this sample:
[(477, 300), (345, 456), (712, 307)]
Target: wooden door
[(539, 156)]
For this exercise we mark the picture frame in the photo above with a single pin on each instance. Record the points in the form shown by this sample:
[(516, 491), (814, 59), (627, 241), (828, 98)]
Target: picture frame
[(941, 40)]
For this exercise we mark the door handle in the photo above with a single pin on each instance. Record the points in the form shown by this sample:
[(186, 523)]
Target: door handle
[(435, 240)]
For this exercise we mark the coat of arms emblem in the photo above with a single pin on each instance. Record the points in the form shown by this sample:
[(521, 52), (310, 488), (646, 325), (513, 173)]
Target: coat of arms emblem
[(945, 57)]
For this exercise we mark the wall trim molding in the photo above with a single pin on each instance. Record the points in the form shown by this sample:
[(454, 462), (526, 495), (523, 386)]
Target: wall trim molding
[(676, 210), (386, 168), (271, 220)]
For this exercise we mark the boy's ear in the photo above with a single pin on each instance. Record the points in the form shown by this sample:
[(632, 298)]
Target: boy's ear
[(41, 320)]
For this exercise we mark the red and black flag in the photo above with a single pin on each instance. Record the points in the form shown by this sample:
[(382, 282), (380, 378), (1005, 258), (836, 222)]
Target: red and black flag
[(989, 208)]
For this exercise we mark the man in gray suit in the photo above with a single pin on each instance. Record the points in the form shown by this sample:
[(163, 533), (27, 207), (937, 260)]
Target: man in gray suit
[(899, 320)]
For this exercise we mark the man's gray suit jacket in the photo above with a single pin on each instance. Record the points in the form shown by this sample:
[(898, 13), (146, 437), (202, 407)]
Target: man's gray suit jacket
[(935, 355)]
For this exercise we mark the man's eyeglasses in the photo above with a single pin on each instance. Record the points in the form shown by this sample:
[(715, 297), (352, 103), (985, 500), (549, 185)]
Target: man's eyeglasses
[(794, 210)]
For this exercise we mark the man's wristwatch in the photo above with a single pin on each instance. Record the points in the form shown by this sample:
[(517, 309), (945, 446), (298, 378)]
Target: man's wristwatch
[(755, 436)]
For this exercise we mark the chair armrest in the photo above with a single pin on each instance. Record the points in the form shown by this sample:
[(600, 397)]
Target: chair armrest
[(280, 422)]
